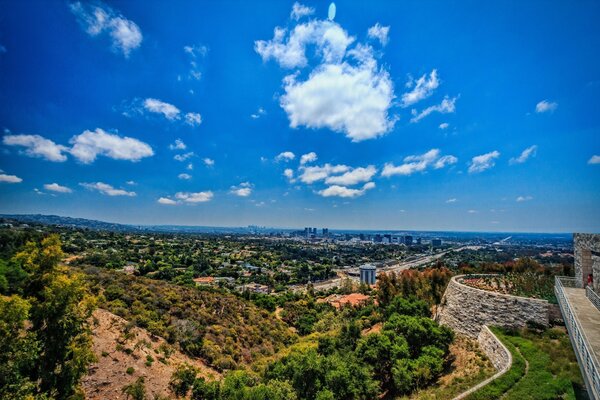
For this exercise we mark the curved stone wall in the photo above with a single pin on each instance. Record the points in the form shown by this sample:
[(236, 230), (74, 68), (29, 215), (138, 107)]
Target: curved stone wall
[(466, 309)]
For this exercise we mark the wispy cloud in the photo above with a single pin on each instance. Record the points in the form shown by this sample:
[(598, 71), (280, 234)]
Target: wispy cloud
[(546, 106), (483, 162), (97, 20), (169, 111), (595, 159), (259, 113), (521, 199), (194, 197), (107, 189), (447, 106), (185, 177), (380, 33), (524, 156), (37, 146), (178, 145), (300, 10), (423, 88), (452, 200), (4, 178), (419, 163)]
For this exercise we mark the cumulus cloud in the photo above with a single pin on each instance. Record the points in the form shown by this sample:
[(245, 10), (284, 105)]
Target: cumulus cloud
[(521, 199), (419, 163), (166, 201), (90, 144), (352, 177), (313, 174), (107, 189), (447, 106), (300, 10), (98, 20), (178, 145), (208, 162), (55, 187), (184, 156), (423, 88), (524, 156), (169, 111), (197, 197), (285, 156), (380, 33), (346, 92), (4, 178), (546, 106), (342, 191), (289, 173), (308, 158), (483, 162), (444, 125), (193, 119), (244, 189), (37, 146), (353, 100), (184, 176)]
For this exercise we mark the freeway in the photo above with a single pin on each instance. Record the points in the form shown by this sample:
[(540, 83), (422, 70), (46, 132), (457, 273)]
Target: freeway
[(352, 273)]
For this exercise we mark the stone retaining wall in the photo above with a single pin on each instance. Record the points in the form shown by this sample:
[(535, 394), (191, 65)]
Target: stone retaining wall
[(466, 309)]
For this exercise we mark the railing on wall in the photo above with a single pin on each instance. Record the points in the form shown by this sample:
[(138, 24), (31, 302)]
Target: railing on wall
[(585, 356), (593, 296)]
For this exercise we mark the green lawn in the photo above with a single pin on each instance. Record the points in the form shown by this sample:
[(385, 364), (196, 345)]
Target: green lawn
[(544, 367)]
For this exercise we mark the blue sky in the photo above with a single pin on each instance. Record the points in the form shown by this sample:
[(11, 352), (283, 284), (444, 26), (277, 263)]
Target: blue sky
[(396, 115)]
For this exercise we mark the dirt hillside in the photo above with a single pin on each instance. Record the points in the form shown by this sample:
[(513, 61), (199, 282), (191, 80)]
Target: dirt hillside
[(126, 352)]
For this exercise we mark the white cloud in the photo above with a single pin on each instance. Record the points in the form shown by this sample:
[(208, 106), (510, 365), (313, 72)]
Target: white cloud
[(132, 183), (90, 144), (55, 187), (347, 92), (444, 161), (169, 111), (524, 156), (300, 10), (423, 88), (244, 189), (195, 51), (208, 162), (4, 178), (285, 156), (329, 38), (452, 200), (352, 177), (308, 158), (350, 99), (184, 156), (483, 162), (193, 119), (197, 197), (594, 160), (289, 173), (178, 145), (419, 163), (379, 32), (37, 146), (317, 173), (124, 33), (473, 211), (260, 112), (107, 189), (190, 166), (545, 106), (342, 191), (184, 176), (521, 199), (166, 201), (448, 105), (444, 125)]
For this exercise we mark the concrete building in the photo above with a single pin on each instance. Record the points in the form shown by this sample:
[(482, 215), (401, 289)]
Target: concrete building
[(408, 240), (436, 242), (587, 259), (368, 274)]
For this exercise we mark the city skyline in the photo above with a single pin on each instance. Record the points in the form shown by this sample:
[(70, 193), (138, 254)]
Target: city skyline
[(389, 116)]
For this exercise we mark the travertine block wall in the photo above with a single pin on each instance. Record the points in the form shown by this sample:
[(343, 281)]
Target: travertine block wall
[(467, 309), (494, 349), (585, 245)]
